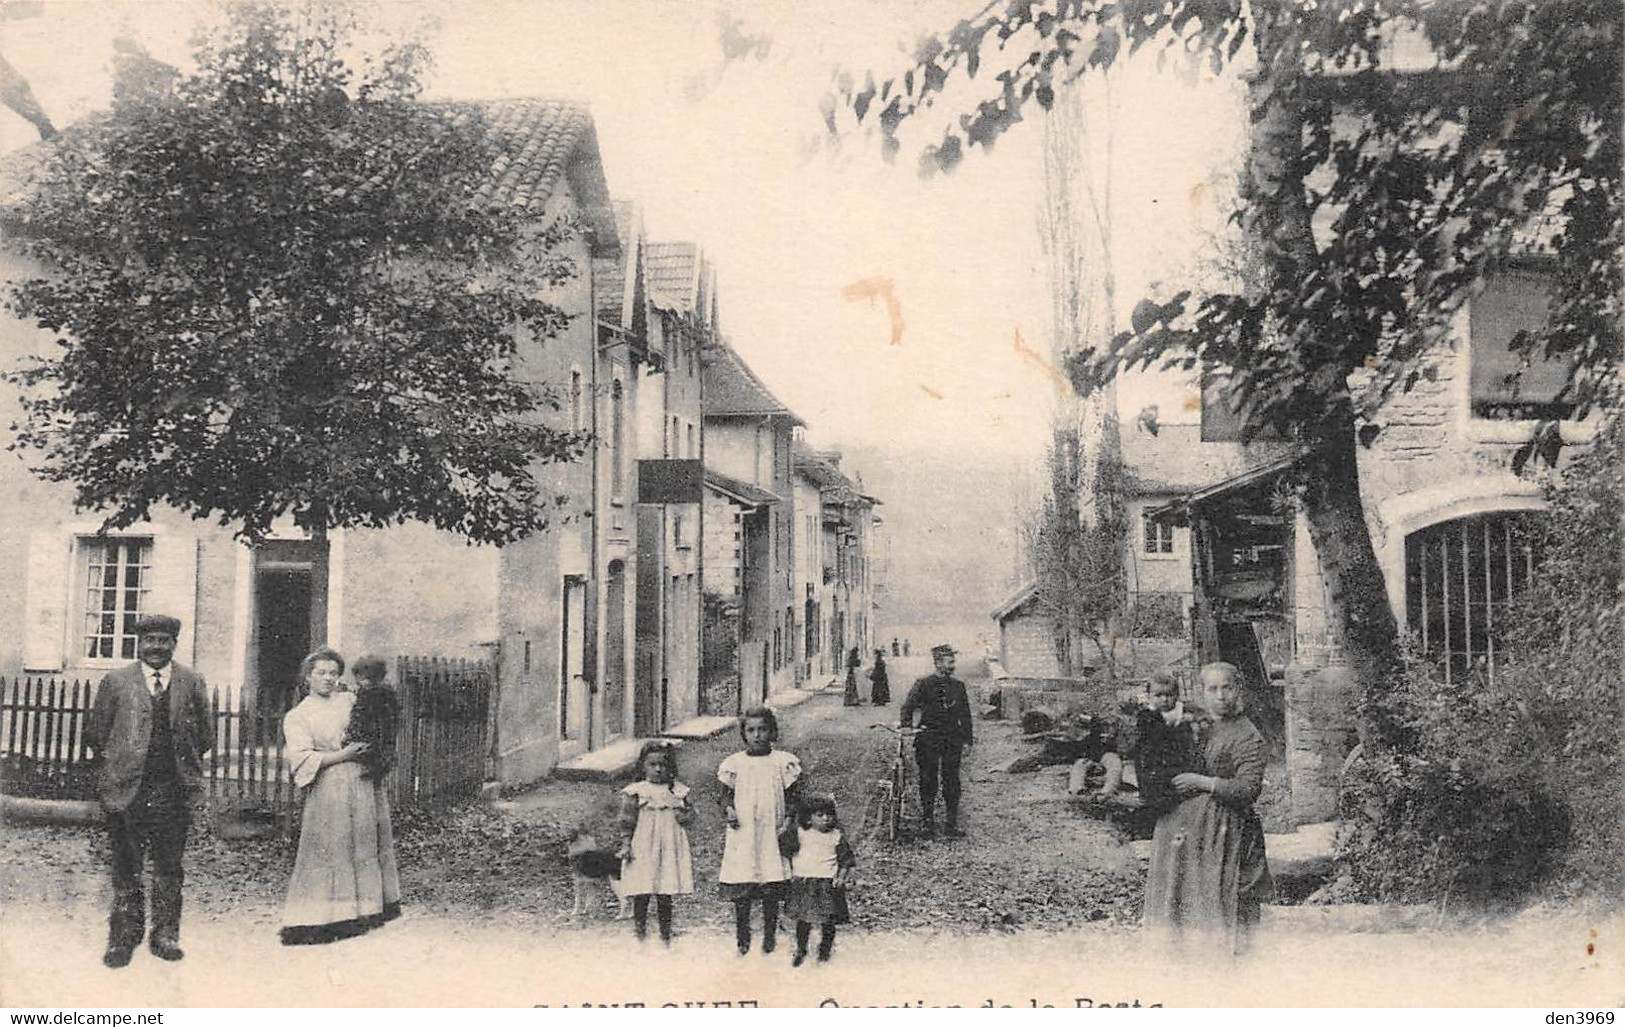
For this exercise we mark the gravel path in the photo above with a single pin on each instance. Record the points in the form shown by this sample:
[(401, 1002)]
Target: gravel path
[(1037, 903), (1031, 860)]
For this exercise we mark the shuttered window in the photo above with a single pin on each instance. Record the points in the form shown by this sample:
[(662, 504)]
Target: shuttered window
[(1503, 387)]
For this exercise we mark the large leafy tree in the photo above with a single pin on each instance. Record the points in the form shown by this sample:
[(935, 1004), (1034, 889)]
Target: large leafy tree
[(1376, 195), (281, 288)]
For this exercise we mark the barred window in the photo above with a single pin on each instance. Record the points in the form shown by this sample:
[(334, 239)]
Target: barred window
[(1460, 577), (117, 576)]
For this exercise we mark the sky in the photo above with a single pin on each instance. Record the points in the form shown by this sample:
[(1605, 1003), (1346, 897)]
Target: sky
[(809, 238), (730, 156)]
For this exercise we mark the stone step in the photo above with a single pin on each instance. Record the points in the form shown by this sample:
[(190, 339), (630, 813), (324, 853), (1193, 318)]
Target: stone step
[(1350, 918), (1304, 853), (699, 728), (614, 762)]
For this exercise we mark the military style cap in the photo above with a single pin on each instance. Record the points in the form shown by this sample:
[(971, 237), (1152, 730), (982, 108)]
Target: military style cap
[(158, 624), (942, 650)]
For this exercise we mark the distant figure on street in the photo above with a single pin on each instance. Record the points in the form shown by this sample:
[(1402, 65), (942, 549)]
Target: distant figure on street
[(945, 733), (896, 648), (149, 729), (853, 662), (905, 647), (879, 680)]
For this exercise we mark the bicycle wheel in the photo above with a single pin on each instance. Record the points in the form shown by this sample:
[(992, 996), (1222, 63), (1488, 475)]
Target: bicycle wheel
[(894, 814)]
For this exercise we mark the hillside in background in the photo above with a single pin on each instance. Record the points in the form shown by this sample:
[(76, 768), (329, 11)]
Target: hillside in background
[(954, 543)]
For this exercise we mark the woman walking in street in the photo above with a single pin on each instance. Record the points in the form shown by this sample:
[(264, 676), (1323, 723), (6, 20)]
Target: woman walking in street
[(853, 662), (1208, 874), (879, 680), (344, 877)]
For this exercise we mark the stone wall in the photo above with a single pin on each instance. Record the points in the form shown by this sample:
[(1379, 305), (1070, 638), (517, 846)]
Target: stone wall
[(1321, 695), (1027, 644)]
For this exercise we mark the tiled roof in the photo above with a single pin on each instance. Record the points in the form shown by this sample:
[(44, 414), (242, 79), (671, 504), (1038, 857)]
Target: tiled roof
[(609, 273), (674, 271), (816, 467), (534, 140), (1022, 596), (741, 492), (731, 388), (539, 143)]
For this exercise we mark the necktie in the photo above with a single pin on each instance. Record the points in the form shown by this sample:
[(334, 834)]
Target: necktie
[(157, 682)]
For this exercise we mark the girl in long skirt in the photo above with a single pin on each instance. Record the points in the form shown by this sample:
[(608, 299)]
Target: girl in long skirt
[(1208, 876)]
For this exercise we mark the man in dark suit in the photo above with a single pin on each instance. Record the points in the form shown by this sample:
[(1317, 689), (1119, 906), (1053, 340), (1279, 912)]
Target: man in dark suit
[(945, 733), (149, 729)]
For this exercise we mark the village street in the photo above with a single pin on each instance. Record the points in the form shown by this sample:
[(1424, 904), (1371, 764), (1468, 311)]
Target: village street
[(1037, 884)]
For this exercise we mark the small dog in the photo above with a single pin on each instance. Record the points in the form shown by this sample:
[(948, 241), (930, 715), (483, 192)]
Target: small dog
[(592, 865)]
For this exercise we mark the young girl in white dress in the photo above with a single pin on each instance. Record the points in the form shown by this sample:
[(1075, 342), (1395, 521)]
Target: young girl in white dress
[(655, 858), (759, 794)]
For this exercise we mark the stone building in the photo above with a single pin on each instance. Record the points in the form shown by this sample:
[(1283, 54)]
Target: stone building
[(750, 543), (540, 607), (841, 537), (657, 306), (1220, 549)]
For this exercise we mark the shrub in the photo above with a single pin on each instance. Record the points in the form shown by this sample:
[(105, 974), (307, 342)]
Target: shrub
[(1511, 784)]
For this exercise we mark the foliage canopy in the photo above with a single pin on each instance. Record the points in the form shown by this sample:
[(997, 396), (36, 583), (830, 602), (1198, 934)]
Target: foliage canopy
[(278, 291), (1400, 150)]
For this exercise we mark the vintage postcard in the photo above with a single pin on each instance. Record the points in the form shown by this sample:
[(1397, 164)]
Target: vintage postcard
[(701, 504)]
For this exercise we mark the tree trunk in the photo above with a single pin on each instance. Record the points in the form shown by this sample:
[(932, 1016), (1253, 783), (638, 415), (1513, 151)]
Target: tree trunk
[(1360, 613), (1278, 223)]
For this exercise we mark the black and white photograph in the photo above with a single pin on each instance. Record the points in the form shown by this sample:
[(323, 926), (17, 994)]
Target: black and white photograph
[(919, 504)]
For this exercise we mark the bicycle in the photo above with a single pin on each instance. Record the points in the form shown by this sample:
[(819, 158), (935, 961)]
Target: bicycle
[(891, 790)]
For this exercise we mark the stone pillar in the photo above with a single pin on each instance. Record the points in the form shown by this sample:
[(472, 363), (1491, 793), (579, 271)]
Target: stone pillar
[(1321, 695)]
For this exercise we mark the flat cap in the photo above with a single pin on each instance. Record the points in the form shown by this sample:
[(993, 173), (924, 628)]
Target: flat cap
[(942, 650), (158, 624)]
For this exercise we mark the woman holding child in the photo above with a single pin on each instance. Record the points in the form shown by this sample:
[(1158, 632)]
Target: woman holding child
[(1208, 873), (344, 877)]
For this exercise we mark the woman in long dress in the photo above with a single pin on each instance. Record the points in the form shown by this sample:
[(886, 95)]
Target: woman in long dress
[(853, 662), (344, 877), (879, 680), (1208, 874)]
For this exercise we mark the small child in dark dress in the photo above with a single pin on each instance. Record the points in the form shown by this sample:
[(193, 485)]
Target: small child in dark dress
[(1164, 744), (821, 864), (375, 717)]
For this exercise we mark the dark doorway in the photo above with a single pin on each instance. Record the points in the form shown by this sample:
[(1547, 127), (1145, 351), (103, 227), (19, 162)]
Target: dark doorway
[(1266, 705), (574, 699), (290, 604), (615, 650)]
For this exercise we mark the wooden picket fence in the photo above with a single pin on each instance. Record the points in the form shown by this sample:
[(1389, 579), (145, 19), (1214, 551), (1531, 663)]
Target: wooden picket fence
[(446, 713), (440, 748)]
